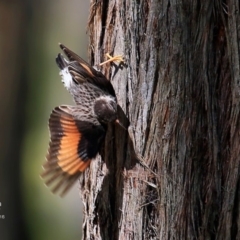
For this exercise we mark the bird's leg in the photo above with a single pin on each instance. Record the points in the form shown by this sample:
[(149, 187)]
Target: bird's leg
[(118, 58)]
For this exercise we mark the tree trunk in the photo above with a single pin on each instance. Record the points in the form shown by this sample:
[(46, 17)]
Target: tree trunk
[(175, 173)]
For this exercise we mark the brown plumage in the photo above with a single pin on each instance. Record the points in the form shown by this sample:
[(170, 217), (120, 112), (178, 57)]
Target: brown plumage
[(77, 132)]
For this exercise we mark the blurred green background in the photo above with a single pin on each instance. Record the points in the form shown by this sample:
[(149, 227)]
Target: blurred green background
[(30, 87)]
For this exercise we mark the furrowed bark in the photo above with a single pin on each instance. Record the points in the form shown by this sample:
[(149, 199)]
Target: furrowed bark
[(175, 173)]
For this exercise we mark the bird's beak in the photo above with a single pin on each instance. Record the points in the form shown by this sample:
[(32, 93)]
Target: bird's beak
[(120, 124)]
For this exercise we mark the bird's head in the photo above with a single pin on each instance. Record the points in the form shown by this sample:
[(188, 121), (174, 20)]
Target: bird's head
[(105, 108)]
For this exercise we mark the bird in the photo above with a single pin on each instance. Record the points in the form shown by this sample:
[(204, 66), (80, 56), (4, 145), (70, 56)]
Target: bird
[(77, 132)]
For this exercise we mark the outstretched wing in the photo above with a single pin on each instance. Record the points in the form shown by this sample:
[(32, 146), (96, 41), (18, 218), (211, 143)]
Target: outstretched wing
[(74, 143), (81, 71)]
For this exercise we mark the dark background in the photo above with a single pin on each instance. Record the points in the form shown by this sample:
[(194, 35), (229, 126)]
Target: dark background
[(30, 87)]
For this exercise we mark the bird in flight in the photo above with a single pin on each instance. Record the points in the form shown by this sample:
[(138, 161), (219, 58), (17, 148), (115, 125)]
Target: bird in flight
[(77, 132)]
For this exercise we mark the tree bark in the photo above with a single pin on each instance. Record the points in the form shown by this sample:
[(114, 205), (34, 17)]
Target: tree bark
[(175, 173)]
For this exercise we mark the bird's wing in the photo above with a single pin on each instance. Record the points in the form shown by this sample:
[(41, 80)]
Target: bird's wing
[(81, 71), (74, 143)]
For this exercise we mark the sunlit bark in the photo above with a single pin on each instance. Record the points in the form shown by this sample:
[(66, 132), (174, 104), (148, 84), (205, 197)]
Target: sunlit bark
[(179, 88)]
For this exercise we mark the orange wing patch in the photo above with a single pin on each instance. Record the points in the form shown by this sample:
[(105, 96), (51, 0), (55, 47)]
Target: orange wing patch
[(74, 57), (68, 158), (64, 164), (87, 69)]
